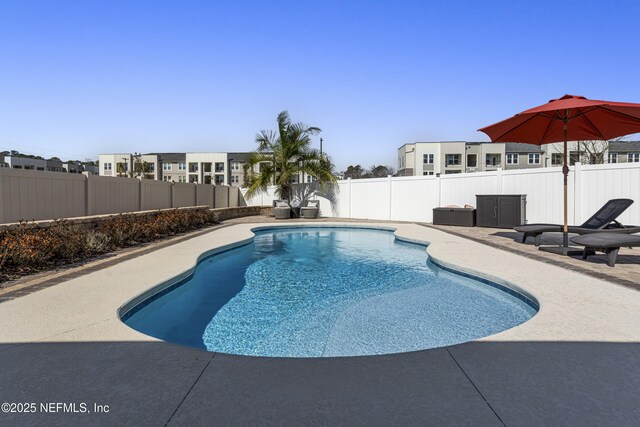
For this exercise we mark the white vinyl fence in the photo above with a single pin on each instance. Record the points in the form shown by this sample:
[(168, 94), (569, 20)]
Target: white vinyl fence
[(413, 198)]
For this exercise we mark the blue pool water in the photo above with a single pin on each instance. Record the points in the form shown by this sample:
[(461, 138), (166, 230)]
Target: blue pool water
[(320, 292)]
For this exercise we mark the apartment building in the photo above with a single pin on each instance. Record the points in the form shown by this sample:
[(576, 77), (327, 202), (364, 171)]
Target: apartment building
[(28, 163), (204, 168), (448, 157), (125, 165), (77, 167), (593, 152)]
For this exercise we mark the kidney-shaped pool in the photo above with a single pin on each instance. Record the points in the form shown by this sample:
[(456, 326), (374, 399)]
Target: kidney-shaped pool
[(322, 292)]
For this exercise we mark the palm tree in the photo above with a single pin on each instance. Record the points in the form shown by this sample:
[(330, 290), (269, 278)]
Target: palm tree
[(283, 155)]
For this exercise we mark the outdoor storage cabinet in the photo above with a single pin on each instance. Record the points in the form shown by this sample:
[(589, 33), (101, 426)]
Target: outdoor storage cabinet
[(501, 211), (454, 216)]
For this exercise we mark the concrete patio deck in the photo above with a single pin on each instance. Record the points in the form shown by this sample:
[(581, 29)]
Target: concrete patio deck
[(577, 362)]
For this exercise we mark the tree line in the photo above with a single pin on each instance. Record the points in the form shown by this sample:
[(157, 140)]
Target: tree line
[(375, 171)]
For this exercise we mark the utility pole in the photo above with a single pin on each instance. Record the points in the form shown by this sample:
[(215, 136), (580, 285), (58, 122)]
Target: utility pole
[(320, 147)]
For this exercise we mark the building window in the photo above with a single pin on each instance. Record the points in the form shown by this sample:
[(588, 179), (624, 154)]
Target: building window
[(472, 160), (235, 166), (219, 167), (167, 178), (512, 159), (107, 166), (427, 173), (453, 159), (182, 166), (193, 178), (574, 157), (219, 180), (534, 158), (206, 167), (166, 166), (151, 167), (556, 159), (182, 178), (40, 169), (17, 167), (492, 160), (612, 158), (427, 159), (193, 167), (633, 157), (451, 171)]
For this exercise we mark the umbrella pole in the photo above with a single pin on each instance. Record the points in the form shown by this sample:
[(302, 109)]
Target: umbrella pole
[(565, 173)]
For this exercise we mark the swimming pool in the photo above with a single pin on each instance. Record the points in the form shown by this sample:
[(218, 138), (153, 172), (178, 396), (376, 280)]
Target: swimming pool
[(323, 292)]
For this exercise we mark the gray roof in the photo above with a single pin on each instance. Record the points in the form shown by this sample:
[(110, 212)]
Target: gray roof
[(515, 147), (624, 146), (238, 157), (170, 157)]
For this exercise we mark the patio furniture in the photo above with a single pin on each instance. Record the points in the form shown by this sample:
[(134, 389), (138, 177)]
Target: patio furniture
[(281, 209), (569, 118), (310, 210), (609, 243), (603, 220), (465, 217)]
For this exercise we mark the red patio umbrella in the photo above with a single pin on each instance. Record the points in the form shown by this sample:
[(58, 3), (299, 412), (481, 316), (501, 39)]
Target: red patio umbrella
[(570, 118)]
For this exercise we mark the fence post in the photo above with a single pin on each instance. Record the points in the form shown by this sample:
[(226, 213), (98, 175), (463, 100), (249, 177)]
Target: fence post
[(390, 196), (349, 181), (139, 193), (577, 193), (172, 197), (86, 193)]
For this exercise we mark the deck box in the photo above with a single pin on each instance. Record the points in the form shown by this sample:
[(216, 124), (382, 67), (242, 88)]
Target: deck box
[(465, 217)]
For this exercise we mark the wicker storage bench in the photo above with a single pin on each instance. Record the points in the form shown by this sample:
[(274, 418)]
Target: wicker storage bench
[(465, 217)]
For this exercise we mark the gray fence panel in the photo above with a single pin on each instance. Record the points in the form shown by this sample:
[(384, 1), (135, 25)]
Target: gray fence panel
[(205, 195), (38, 195), (221, 196), (234, 197), (109, 195), (155, 194), (33, 195), (184, 195)]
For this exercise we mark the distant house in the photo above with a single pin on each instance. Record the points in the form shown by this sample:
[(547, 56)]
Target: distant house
[(624, 152)]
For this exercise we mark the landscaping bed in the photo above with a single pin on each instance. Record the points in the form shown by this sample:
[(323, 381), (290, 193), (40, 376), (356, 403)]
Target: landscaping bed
[(29, 247)]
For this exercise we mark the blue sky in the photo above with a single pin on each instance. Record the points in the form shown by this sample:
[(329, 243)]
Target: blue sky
[(78, 78)]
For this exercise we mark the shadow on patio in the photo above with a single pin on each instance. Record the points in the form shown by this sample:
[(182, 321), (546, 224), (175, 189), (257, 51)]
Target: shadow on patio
[(480, 383)]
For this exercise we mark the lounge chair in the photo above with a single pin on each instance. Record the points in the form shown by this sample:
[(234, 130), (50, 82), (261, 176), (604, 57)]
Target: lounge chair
[(310, 210), (603, 220), (609, 243), (281, 209)]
